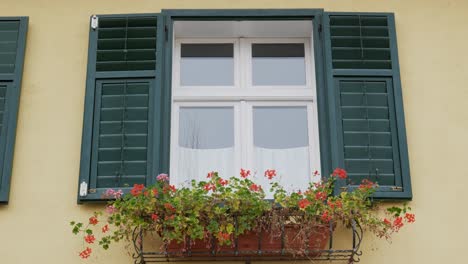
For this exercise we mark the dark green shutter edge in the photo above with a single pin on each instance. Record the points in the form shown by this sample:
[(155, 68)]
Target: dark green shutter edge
[(10, 116), (362, 70), (120, 74)]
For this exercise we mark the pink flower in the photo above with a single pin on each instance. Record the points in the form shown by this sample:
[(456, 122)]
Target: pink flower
[(118, 194), (110, 209), (162, 177), (109, 193)]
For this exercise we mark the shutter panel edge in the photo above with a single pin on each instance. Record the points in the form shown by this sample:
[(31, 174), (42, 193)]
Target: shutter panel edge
[(11, 108), (400, 192), (153, 78)]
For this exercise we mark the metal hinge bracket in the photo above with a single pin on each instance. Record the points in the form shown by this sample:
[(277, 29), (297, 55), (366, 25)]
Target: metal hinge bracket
[(83, 189), (397, 188), (94, 22)]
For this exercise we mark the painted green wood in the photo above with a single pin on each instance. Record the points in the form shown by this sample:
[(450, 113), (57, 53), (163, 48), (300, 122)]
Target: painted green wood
[(13, 31), (120, 139), (121, 129), (365, 103), (126, 43)]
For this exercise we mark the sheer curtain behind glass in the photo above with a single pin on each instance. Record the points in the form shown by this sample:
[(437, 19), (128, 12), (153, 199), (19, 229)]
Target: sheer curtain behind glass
[(281, 142), (206, 143)]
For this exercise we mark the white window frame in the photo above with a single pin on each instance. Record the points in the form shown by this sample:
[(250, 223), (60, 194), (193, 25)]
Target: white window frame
[(243, 97)]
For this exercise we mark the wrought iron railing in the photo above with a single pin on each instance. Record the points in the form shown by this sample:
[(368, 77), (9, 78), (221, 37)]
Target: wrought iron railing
[(350, 254)]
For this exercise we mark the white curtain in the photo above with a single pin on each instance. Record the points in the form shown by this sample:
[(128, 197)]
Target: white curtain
[(196, 163), (291, 165)]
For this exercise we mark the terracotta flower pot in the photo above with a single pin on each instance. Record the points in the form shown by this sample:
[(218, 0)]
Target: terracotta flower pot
[(292, 241)]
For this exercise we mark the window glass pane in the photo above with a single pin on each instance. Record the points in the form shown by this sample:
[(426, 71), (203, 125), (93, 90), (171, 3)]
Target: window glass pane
[(278, 64), (206, 143), (281, 142), (280, 127), (206, 127), (207, 64)]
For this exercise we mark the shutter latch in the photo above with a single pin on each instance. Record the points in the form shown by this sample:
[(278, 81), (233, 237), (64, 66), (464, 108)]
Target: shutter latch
[(83, 189), (94, 22)]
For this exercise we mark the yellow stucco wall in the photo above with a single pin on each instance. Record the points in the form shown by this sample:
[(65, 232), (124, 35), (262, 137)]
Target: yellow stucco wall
[(432, 41)]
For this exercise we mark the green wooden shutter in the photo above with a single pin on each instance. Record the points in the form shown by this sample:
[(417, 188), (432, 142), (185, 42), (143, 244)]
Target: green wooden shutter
[(365, 102), (121, 131), (12, 47)]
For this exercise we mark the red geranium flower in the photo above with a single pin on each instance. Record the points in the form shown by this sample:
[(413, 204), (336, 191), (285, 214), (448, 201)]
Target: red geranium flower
[(210, 174), (209, 186), (155, 217), (410, 218), (93, 220), (169, 207), (85, 253), (270, 174), (303, 203), (366, 185), (321, 196), (339, 204), (89, 239), (172, 188), (223, 182), (325, 217), (105, 228), (255, 187), (340, 173), (387, 222), (137, 189), (398, 223), (244, 173)]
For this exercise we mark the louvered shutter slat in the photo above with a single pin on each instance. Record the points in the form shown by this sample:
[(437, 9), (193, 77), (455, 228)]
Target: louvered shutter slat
[(9, 31), (360, 42), (368, 134), (126, 44), (123, 134), (123, 91)]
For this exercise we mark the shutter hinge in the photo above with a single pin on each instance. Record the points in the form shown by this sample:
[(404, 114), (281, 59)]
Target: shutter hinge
[(92, 190), (344, 188), (83, 189), (397, 188), (166, 33), (94, 22), (320, 28)]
